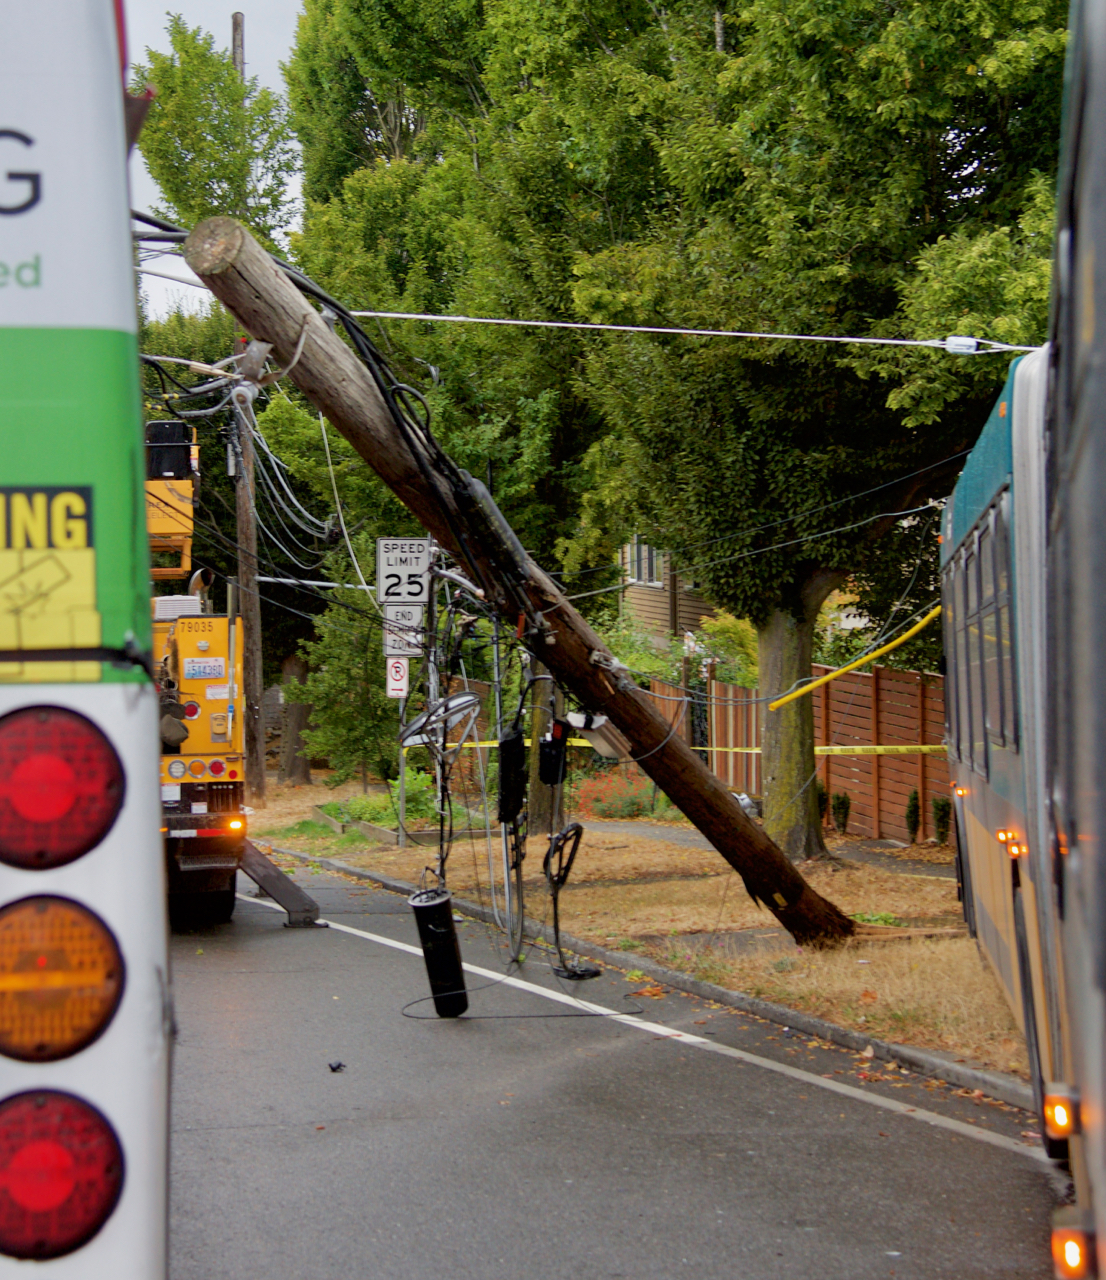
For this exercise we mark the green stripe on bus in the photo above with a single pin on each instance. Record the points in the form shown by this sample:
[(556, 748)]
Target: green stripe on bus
[(72, 474)]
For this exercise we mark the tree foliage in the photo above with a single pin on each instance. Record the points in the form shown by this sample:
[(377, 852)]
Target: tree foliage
[(213, 143)]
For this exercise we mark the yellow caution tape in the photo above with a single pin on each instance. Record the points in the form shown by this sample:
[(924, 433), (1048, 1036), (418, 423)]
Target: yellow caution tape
[(860, 662), (916, 750)]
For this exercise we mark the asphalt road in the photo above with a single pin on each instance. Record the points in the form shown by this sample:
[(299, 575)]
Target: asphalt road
[(529, 1142)]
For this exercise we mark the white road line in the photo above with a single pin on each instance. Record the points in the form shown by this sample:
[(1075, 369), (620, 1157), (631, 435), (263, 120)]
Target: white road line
[(658, 1029)]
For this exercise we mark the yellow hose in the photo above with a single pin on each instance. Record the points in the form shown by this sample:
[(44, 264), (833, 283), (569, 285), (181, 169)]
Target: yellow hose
[(860, 662)]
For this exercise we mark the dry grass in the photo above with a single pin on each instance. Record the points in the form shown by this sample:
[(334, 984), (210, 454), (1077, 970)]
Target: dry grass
[(651, 895), (935, 993)]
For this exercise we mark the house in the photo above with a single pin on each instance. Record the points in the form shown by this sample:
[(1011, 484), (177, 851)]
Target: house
[(662, 602)]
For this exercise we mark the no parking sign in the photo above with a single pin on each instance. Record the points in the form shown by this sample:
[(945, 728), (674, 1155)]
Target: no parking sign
[(398, 677)]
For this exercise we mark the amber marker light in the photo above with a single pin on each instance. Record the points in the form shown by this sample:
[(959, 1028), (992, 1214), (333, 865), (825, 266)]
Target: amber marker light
[(236, 824), (197, 768), (1072, 1253), (1061, 1110), (61, 978), (1002, 836), (961, 791)]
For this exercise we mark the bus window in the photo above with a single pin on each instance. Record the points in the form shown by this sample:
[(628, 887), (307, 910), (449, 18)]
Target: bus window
[(986, 570), (952, 666), (974, 666), (963, 676), (1007, 653), (989, 634)]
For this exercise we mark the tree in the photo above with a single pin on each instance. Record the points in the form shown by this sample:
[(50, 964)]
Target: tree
[(828, 179), (213, 143), (817, 167), (353, 722), (208, 335)]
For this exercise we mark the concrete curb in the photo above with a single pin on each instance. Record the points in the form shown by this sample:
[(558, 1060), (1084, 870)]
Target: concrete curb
[(995, 1084)]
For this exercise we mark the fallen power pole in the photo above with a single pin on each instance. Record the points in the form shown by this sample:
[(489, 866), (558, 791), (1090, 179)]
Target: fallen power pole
[(458, 511)]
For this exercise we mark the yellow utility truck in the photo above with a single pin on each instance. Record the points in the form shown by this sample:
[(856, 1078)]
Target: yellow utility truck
[(198, 668)]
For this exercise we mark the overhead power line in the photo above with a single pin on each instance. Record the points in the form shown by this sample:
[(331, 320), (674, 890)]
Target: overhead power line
[(956, 344)]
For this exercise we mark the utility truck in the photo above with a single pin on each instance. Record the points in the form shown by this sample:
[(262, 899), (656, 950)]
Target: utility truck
[(198, 667)]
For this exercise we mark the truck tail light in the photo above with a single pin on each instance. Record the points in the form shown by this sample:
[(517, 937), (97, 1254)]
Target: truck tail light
[(61, 978), (61, 1173), (1073, 1253), (216, 768), (61, 787)]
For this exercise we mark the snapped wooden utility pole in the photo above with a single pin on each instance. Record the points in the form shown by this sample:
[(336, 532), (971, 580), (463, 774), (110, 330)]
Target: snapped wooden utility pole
[(465, 520)]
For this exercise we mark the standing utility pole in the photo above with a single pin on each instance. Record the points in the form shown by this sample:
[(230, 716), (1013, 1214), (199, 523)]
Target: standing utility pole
[(253, 688), (238, 43), (249, 600)]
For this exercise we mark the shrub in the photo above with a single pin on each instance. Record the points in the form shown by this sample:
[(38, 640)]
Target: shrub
[(913, 816), (942, 816), (840, 805), (613, 795)]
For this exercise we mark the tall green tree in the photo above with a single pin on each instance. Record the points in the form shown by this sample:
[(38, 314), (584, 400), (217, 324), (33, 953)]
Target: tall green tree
[(850, 170), (821, 167), (213, 143)]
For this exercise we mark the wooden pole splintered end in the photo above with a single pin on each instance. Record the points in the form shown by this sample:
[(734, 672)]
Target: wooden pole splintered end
[(214, 246)]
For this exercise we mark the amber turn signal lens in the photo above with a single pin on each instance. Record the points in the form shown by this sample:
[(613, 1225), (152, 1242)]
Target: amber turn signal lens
[(236, 824), (1073, 1253), (196, 768), (1061, 1112), (61, 978)]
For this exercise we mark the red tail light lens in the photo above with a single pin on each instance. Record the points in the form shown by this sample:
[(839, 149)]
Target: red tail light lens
[(216, 768), (61, 1173), (61, 787)]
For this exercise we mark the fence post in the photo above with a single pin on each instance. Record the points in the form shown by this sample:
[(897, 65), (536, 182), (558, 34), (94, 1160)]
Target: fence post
[(827, 738), (876, 830), (921, 756)]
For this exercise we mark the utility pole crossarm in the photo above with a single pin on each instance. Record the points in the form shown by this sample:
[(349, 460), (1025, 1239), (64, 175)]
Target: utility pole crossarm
[(244, 278)]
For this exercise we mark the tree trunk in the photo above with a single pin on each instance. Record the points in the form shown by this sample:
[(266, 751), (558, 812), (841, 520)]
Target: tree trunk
[(784, 647), (295, 763), (448, 504), (787, 748)]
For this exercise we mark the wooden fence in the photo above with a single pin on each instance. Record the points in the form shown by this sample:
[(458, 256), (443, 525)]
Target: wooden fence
[(881, 707)]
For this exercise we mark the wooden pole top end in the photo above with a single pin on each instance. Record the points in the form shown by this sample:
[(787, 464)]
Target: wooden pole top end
[(214, 246)]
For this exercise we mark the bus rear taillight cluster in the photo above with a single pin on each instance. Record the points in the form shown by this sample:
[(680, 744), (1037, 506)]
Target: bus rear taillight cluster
[(61, 790), (61, 981), (61, 1173)]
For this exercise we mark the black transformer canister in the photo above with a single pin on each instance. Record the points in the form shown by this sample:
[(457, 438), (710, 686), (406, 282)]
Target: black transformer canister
[(433, 910)]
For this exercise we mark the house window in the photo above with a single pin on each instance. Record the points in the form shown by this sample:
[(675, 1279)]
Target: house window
[(645, 564)]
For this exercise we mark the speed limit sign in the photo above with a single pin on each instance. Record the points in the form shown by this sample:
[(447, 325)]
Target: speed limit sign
[(403, 570), (398, 677)]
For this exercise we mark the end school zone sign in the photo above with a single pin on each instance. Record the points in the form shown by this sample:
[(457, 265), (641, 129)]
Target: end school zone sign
[(402, 570)]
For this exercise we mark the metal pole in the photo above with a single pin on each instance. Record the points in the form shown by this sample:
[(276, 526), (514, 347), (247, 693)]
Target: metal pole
[(401, 835)]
